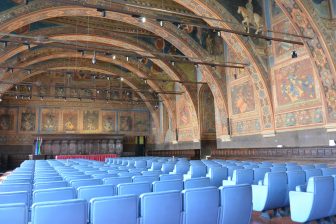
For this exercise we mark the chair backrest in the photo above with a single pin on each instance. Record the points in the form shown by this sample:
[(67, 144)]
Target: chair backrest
[(117, 180), (52, 184), (233, 168), (89, 192), (201, 205), (181, 168), (85, 182), (167, 185), (197, 182), (320, 165), (121, 209), (140, 163), (328, 171), (15, 187), (151, 173), (278, 169), (156, 166), (17, 181), (167, 167), (294, 168), (19, 176), (47, 179), (277, 189), (236, 204), (259, 174), (134, 188), (176, 176), (217, 174), (161, 207), (295, 178), (243, 176), (323, 189), (14, 197), (14, 213), (198, 170), (148, 179), (102, 176), (308, 167), (312, 173), (77, 177), (56, 212), (54, 194)]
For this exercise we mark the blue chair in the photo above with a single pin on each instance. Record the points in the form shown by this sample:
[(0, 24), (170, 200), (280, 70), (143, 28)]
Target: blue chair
[(312, 173), (295, 178), (233, 168), (333, 205), (89, 192), (314, 204), (196, 170), (308, 167), (171, 177), (85, 182), (151, 173), (47, 179), (17, 181), (140, 164), (328, 171), (217, 174), (134, 188), (167, 168), (102, 176), (240, 176), (155, 166), (54, 194), (294, 168), (56, 212), (168, 185), (161, 208), (236, 204), (180, 168), (19, 176), (270, 195), (14, 213), (197, 182), (278, 169), (201, 205), (15, 187), (259, 174), (51, 184), (117, 180), (320, 165), (122, 209), (77, 177), (14, 197), (148, 179)]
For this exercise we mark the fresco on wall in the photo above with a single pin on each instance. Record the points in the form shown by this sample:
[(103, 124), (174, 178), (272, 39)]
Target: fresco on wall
[(322, 8), (283, 50), (183, 113), (276, 10), (299, 118), (27, 120), (70, 120), (49, 120), (246, 126), (242, 98), (109, 121), (141, 121), (90, 120), (295, 83), (207, 111), (8, 119), (126, 121)]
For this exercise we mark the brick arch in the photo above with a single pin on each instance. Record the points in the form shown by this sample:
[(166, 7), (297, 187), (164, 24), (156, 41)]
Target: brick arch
[(51, 65), (243, 49), (319, 48), (40, 10)]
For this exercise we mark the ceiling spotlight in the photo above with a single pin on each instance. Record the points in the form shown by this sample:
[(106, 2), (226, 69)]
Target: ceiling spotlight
[(294, 54), (145, 81), (97, 91), (11, 70), (196, 65), (0, 99), (173, 63), (161, 23), (27, 45), (5, 43), (143, 19), (94, 77), (127, 58), (41, 97), (219, 33), (114, 57), (178, 26), (16, 97), (65, 99), (121, 79), (94, 59), (29, 97), (29, 71), (108, 77), (102, 12)]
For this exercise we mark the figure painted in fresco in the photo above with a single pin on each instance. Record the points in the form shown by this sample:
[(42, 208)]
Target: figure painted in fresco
[(27, 121), (49, 122), (90, 122), (126, 123), (5, 122), (209, 43), (296, 88), (109, 123), (242, 98), (184, 115), (251, 19)]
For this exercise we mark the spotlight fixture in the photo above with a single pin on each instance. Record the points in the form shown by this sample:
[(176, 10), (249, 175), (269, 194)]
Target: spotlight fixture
[(145, 81), (27, 45), (29, 71), (173, 63), (196, 65), (29, 97), (121, 79), (294, 54), (161, 23), (102, 11), (5, 43), (41, 97), (143, 19), (65, 99), (0, 99), (11, 70), (127, 58), (108, 77), (94, 59), (219, 33), (16, 97), (114, 57), (82, 52)]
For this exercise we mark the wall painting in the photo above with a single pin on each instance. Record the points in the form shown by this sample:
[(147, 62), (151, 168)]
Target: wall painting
[(109, 121)]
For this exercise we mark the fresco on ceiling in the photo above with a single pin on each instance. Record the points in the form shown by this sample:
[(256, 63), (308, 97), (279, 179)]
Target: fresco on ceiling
[(50, 120), (299, 118), (109, 121), (8, 119), (322, 8), (283, 50), (90, 120), (295, 83), (27, 118), (7, 4), (207, 111), (242, 98), (141, 121), (276, 10), (126, 121), (70, 120)]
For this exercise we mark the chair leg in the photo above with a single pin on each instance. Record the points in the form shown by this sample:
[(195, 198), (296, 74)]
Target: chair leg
[(276, 213)]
